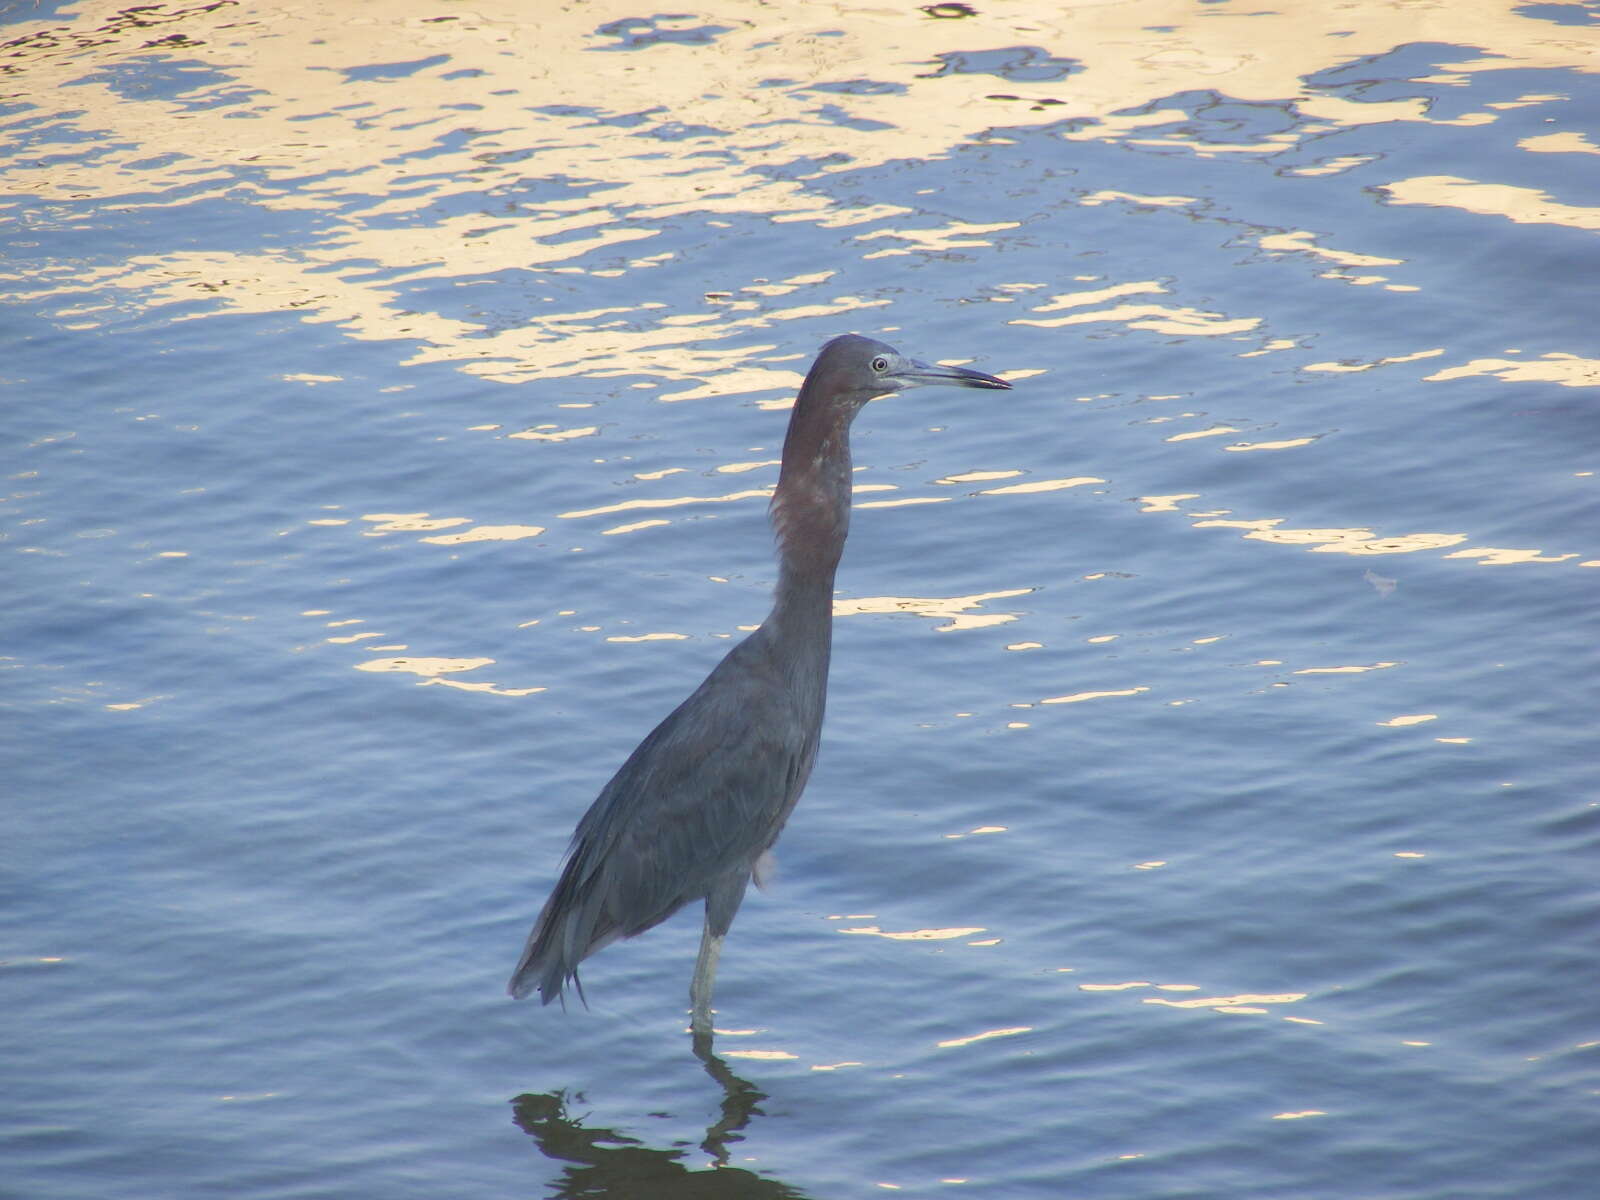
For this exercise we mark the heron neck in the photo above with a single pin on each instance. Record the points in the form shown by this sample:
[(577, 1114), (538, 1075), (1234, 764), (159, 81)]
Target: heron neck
[(811, 514)]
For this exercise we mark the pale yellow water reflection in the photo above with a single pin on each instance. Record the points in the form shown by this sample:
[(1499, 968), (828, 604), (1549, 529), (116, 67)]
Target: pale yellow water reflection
[(1359, 542), (486, 533), (1351, 368), (985, 1036), (1349, 670), (1568, 370), (957, 612), (1233, 1004), (1527, 206), (914, 935), (374, 118), (439, 671), (363, 105)]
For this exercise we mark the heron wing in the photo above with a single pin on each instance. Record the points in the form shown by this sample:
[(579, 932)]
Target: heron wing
[(702, 796), (698, 800)]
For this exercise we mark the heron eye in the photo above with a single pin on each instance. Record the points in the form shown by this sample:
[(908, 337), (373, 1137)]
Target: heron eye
[(880, 365)]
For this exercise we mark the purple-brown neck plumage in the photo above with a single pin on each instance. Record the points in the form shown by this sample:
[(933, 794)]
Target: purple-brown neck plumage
[(811, 506)]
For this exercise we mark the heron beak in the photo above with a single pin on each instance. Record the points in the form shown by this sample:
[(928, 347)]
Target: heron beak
[(920, 374)]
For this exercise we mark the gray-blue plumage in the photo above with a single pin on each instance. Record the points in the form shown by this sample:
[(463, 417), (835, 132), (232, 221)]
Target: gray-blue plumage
[(693, 809)]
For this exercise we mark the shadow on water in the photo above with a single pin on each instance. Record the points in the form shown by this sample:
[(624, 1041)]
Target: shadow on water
[(603, 1162)]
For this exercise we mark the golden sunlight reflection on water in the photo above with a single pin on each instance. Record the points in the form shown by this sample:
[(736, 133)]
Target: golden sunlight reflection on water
[(329, 133)]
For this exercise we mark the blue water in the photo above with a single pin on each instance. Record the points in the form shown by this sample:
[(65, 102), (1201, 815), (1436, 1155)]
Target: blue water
[(1207, 802)]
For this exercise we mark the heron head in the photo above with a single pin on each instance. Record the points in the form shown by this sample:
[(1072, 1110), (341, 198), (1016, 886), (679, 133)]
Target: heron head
[(862, 368)]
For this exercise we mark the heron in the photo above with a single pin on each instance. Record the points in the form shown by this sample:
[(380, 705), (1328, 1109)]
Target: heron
[(695, 810)]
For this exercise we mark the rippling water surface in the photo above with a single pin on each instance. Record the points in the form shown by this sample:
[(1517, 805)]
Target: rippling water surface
[(1207, 806)]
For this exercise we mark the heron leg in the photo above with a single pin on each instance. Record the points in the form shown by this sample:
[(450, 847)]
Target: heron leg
[(705, 974), (722, 902)]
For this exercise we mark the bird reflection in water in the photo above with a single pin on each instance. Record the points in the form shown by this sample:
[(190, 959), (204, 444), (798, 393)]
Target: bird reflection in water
[(698, 805), (604, 1163)]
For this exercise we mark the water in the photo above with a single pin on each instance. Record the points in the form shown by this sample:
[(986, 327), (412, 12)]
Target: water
[(1207, 800)]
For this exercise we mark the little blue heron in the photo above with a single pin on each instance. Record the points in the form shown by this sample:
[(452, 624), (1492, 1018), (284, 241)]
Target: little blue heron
[(694, 810)]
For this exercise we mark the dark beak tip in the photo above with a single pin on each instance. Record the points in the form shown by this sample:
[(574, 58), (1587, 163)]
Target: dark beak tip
[(954, 377), (978, 379)]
